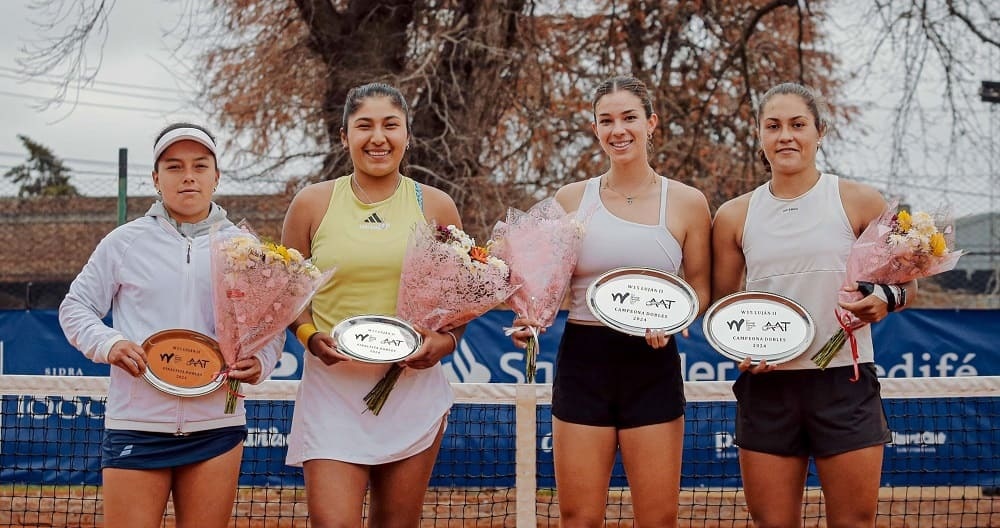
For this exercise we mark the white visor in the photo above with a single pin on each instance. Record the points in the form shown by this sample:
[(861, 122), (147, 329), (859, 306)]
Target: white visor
[(181, 134)]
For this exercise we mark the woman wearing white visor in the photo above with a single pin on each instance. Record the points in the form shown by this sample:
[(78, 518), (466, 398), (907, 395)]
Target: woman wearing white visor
[(154, 274)]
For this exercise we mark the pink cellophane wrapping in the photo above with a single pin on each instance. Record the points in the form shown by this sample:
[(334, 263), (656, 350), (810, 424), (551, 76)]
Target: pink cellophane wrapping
[(440, 290), (255, 295), (874, 259), (541, 247), (441, 287)]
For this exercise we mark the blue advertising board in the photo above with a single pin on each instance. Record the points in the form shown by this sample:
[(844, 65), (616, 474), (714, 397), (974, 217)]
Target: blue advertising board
[(912, 344), (909, 344)]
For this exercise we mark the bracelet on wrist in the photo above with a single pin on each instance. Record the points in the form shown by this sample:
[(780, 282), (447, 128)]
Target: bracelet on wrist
[(454, 340), (893, 295), (890, 297), (304, 332)]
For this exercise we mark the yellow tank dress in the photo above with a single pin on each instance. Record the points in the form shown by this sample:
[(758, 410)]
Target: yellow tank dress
[(365, 243)]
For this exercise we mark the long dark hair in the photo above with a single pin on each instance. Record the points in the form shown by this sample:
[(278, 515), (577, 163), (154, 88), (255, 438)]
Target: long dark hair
[(358, 94)]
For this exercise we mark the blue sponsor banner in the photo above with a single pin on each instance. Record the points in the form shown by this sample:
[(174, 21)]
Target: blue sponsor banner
[(910, 344), (50, 440), (479, 444)]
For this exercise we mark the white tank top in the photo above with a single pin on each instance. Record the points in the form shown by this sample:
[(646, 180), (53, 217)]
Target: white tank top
[(798, 248), (610, 242)]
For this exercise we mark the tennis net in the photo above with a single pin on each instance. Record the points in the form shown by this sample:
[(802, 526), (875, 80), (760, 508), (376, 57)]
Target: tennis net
[(495, 464)]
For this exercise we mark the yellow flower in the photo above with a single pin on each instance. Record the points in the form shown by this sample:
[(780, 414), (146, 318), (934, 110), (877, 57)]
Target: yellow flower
[(275, 251), (283, 251), (938, 245), (904, 221)]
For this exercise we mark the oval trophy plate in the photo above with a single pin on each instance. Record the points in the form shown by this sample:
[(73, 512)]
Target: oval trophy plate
[(631, 300), (376, 338), (759, 326), (183, 362)]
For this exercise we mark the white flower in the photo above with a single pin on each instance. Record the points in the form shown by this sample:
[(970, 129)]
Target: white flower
[(897, 240)]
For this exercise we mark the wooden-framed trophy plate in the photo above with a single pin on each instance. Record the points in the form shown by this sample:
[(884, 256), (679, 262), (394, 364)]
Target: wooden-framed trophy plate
[(759, 326), (631, 300), (183, 362), (376, 338)]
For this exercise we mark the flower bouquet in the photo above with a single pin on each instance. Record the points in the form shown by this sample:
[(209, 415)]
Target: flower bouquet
[(895, 248), (541, 248), (446, 282), (258, 288)]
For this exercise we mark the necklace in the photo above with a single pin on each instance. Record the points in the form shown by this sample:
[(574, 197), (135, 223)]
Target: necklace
[(367, 199), (629, 198)]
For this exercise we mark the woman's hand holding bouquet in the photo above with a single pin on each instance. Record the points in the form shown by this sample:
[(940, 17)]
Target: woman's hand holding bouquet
[(258, 288), (541, 247), (446, 281), (896, 248)]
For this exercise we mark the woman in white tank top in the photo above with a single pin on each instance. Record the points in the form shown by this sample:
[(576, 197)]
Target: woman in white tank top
[(791, 236), (613, 391)]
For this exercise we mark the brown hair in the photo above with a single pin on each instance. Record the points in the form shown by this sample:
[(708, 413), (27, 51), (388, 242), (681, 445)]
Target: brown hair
[(814, 102), (628, 84)]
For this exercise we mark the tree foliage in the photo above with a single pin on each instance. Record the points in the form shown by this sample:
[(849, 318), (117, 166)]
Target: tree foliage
[(500, 89), (43, 174), (941, 42), (282, 84)]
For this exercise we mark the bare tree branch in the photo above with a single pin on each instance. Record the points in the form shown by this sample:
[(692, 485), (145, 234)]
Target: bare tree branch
[(65, 54)]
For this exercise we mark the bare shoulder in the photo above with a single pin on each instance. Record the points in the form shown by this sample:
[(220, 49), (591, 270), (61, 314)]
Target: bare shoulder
[(687, 195), (305, 214), (309, 205), (314, 196), (570, 195), (439, 206), (862, 203), (733, 212), (433, 194)]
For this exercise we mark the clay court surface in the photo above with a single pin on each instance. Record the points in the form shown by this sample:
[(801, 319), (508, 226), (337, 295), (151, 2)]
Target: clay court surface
[(914, 507)]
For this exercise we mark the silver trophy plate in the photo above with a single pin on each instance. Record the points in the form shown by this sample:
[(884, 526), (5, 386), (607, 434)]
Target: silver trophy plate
[(376, 338), (759, 326), (631, 300)]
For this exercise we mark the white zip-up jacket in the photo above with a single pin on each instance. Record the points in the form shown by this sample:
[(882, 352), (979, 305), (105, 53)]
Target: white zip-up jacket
[(152, 277)]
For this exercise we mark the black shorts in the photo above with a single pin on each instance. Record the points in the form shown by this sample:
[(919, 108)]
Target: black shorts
[(810, 412), (609, 379), (125, 449)]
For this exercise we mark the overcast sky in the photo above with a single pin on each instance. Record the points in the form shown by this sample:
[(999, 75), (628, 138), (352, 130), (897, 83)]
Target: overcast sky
[(141, 87)]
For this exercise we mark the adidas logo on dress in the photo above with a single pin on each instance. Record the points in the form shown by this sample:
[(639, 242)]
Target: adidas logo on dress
[(374, 222)]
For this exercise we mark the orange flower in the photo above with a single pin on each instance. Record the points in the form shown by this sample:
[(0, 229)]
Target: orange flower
[(479, 254)]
